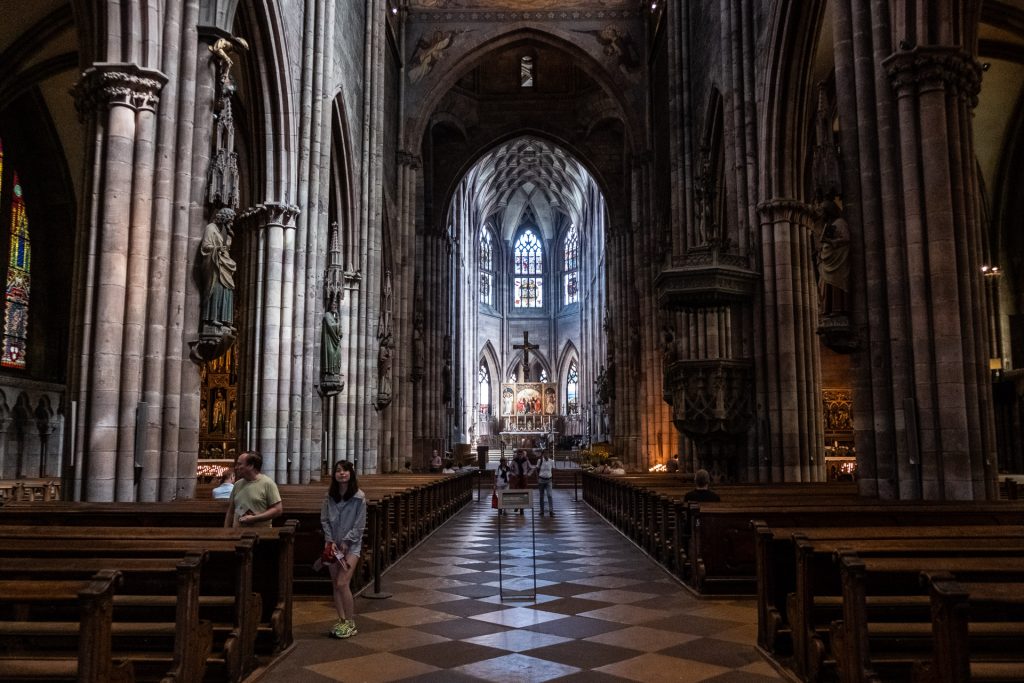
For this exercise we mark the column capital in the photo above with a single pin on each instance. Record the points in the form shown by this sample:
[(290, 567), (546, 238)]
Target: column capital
[(784, 210), (272, 213), (410, 159), (930, 67), (105, 84)]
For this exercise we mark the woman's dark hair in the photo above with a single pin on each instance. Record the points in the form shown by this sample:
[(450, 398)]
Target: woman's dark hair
[(353, 482)]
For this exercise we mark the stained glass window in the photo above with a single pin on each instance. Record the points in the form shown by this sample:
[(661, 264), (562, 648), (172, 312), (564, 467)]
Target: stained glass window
[(572, 387), (486, 269), (571, 264), (18, 280), (484, 382), (528, 265)]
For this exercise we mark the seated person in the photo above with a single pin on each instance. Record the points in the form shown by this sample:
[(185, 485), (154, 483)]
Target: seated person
[(407, 468), (673, 463), (448, 469), (701, 494), (227, 483), (616, 468)]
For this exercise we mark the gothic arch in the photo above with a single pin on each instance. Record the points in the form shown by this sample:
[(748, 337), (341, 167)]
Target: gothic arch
[(787, 96), (489, 357), (342, 198), (515, 32), (568, 354), (272, 131)]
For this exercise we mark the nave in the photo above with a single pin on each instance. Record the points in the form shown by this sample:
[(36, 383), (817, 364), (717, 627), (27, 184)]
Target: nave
[(603, 612)]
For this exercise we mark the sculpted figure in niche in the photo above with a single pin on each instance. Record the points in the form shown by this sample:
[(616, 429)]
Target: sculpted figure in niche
[(418, 344), (833, 259), (216, 274), (330, 342), (668, 346), (384, 367)]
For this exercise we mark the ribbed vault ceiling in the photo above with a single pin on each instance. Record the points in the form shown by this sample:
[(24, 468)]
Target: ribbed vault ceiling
[(548, 176)]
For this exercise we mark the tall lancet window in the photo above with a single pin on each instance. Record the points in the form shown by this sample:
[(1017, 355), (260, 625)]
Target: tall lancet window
[(572, 387), (18, 267), (571, 265), (484, 382), (528, 283), (486, 268)]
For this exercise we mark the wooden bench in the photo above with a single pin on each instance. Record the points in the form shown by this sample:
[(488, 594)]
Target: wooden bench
[(868, 643), (26, 653), (819, 595), (175, 648), (226, 586), (966, 617), (273, 562), (775, 561)]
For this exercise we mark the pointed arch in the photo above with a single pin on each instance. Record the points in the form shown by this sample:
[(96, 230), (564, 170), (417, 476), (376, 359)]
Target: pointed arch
[(787, 95), (568, 360), (488, 358)]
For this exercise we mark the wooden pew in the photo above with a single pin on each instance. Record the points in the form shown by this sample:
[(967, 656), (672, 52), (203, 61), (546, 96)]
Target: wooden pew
[(273, 563), (93, 663), (776, 565), (868, 645), (226, 583), (819, 584), (140, 642), (966, 617)]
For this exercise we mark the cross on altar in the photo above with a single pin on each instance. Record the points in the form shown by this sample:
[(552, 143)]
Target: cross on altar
[(526, 346)]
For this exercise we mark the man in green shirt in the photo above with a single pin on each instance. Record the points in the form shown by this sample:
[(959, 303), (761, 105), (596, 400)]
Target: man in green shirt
[(255, 500)]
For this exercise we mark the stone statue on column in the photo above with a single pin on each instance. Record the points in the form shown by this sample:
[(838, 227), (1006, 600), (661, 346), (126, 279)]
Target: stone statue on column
[(215, 268), (387, 345), (215, 276), (418, 345), (833, 259), (331, 378)]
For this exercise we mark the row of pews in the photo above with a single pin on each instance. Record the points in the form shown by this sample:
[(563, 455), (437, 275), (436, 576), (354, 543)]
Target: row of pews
[(848, 589), (160, 592)]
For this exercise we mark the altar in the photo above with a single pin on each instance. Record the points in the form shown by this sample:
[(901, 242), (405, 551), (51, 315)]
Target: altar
[(528, 409)]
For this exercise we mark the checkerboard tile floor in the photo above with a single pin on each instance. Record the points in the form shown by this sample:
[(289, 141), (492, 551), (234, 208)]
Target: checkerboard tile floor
[(594, 608)]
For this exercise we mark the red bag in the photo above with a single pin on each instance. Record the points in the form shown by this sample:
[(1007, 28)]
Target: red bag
[(494, 499), (328, 556)]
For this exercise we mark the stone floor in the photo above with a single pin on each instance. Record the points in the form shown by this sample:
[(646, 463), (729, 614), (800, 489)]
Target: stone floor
[(600, 611)]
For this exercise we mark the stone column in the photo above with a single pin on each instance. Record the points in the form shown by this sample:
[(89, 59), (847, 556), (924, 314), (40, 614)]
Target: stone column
[(936, 87), (789, 355), (405, 308), (119, 100), (269, 252)]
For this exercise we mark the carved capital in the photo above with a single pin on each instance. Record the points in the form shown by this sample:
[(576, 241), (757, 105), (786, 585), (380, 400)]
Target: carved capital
[(409, 159), (272, 214), (783, 210), (949, 68), (128, 85)]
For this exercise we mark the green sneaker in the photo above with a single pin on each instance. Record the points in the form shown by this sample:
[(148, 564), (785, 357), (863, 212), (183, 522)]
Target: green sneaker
[(336, 628), (344, 629)]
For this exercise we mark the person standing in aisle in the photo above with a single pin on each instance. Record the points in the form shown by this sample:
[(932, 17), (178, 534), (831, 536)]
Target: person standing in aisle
[(545, 470), (343, 518)]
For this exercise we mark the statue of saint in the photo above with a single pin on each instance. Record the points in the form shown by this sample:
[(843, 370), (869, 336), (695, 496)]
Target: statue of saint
[(418, 353), (833, 260), (216, 274), (384, 366), (330, 342)]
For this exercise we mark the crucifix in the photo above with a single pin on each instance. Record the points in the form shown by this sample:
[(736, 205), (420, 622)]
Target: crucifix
[(526, 346)]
